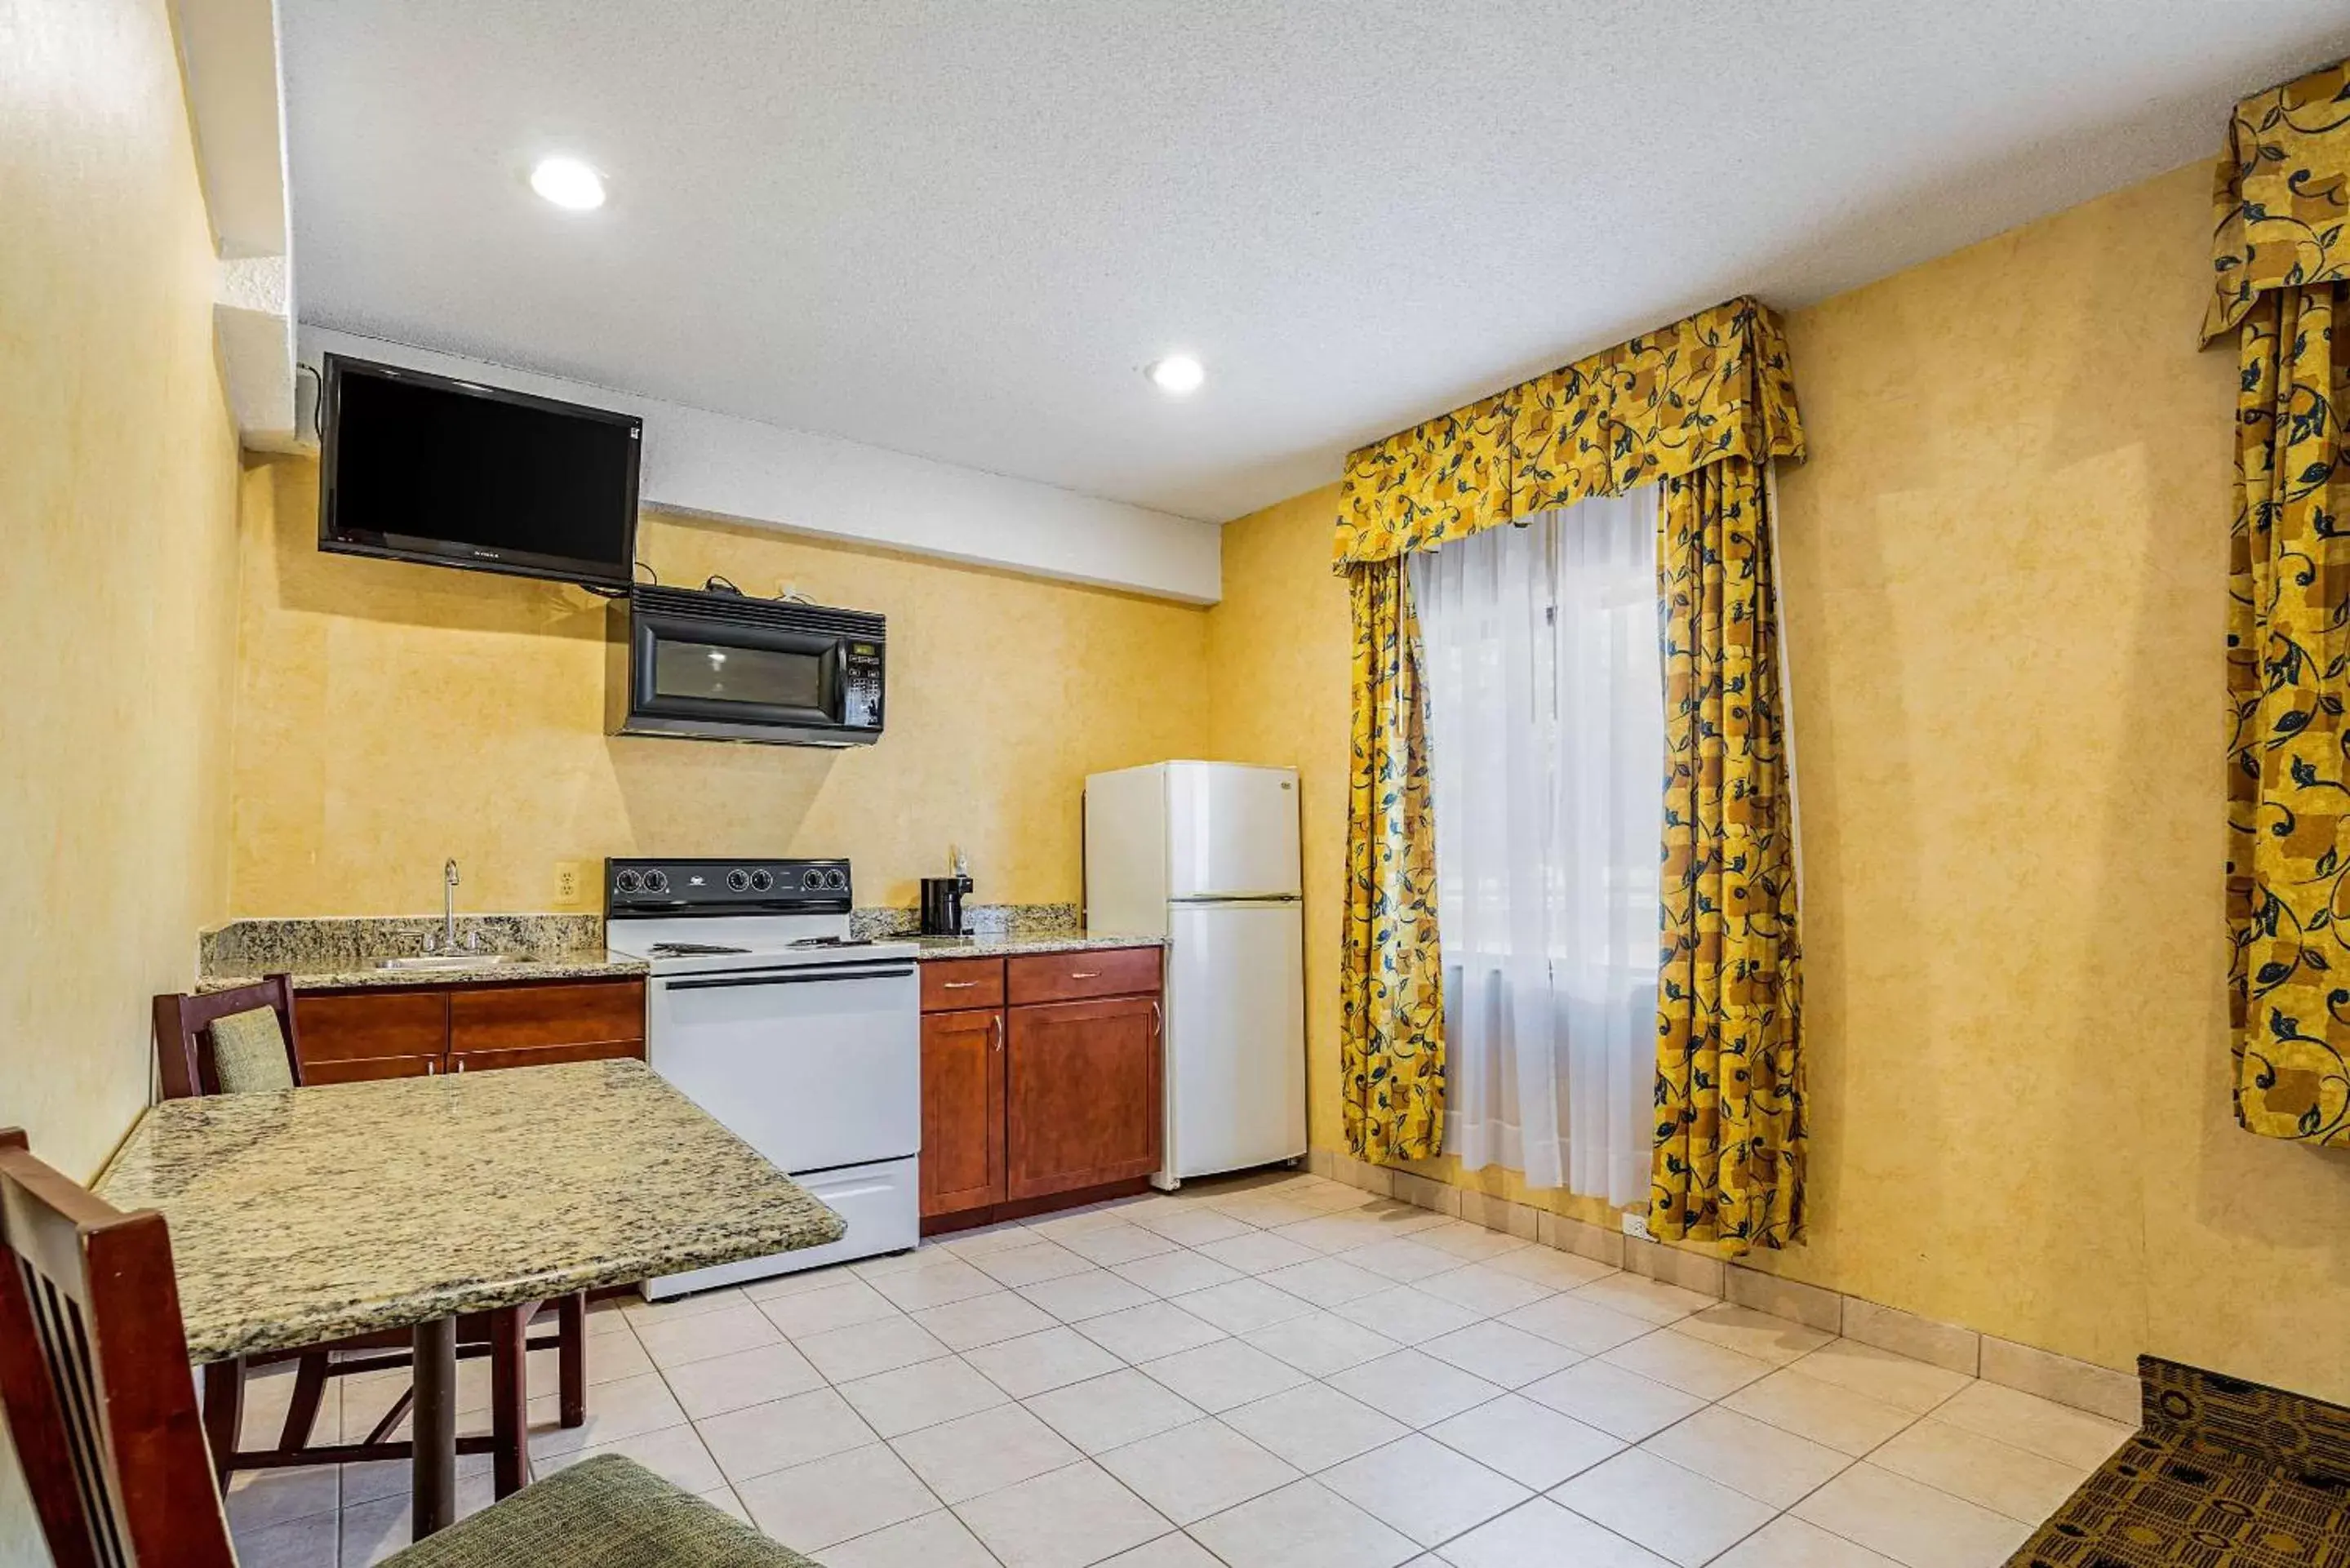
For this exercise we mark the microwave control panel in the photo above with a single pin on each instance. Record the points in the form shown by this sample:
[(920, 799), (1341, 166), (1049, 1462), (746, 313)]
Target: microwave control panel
[(861, 682)]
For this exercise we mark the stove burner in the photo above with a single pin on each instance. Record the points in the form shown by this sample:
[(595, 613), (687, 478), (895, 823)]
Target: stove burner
[(831, 942), (691, 949)]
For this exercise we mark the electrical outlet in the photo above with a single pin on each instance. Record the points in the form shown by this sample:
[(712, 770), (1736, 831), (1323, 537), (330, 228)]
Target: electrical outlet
[(570, 883), (1636, 1224)]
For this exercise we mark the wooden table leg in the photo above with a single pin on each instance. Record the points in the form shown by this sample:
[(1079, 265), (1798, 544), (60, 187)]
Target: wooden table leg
[(433, 1494), (510, 1398), (571, 1360)]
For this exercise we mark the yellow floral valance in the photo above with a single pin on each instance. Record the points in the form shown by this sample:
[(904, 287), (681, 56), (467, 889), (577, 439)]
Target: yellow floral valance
[(1660, 406), (2282, 194)]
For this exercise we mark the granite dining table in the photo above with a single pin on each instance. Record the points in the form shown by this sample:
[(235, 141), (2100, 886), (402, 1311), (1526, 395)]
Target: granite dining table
[(309, 1214)]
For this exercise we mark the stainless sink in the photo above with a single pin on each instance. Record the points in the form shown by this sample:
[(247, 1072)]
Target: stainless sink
[(442, 960)]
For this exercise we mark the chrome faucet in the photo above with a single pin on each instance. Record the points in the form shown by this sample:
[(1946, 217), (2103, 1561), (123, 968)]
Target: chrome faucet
[(448, 906)]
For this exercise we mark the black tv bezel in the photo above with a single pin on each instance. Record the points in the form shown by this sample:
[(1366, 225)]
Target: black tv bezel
[(424, 550)]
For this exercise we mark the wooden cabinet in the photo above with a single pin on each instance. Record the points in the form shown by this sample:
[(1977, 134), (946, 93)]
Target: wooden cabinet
[(343, 1037), (1081, 1096), (1041, 1081), (962, 1111), (402, 1031)]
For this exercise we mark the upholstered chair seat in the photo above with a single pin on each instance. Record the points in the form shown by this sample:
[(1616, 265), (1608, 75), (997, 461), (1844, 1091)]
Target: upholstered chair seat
[(605, 1512)]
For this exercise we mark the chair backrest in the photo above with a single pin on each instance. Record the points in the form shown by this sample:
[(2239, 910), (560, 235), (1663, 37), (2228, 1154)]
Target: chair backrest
[(183, 1042), (94, 1377)]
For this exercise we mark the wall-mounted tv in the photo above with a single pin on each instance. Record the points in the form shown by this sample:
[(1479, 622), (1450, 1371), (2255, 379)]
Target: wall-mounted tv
[(418, 467)]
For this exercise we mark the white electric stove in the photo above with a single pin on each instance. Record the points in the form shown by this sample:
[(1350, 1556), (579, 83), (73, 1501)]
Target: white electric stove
[(805, 1043)]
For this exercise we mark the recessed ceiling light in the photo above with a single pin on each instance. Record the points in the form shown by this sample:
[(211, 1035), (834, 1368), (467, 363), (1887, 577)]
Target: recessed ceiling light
[(567, 182), (1178, 374)]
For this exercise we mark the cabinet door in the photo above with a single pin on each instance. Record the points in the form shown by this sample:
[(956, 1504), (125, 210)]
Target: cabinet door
[(962, 1111), (493, 1027), (1081, 1094), (538, 1017), (348, 1036)]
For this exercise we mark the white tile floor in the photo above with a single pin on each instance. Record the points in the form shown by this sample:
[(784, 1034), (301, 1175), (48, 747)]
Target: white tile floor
[(1271, 1373)]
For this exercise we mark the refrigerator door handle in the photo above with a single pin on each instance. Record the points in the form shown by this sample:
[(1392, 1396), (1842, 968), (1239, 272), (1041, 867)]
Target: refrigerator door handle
[(1197, 899)]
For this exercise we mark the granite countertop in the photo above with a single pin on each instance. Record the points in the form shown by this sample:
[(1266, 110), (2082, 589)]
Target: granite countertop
[(339, 973), (336, 952), (1011, 944), (313, 1213)]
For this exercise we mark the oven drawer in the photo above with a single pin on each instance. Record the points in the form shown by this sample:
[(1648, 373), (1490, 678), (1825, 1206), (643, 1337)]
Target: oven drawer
[(950, 985), (1073, 977)]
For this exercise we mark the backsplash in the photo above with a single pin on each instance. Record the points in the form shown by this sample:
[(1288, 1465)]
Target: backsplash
[(261, 947), (978, 921)]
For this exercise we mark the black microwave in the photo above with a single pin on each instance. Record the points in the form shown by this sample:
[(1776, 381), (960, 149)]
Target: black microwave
[(711, 666)]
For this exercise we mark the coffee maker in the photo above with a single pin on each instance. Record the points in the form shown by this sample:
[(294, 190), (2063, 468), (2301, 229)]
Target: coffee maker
[(943, 899)]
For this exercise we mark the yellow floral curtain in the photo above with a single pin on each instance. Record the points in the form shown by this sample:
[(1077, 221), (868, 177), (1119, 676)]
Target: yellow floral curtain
[(1730, 1131), (1392, 1017), (1712, 391), (1668, 402), (2281, 265)]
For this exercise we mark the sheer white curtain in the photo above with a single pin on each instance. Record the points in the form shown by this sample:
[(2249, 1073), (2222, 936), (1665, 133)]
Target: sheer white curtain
[(1546, 756)]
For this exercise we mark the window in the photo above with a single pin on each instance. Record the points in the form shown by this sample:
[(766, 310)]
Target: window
[(1546, 763)]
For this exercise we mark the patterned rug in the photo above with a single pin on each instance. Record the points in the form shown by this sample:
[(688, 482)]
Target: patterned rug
[(2222, 1474)]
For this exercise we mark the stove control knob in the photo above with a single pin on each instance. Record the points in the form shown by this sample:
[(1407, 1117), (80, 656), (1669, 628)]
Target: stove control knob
[(836, 879), (656, 882), (626, 882), (738, 880), (762, 880)]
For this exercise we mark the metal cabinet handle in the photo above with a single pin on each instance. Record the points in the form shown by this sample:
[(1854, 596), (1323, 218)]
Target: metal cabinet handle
[(1157, 1021), (1085, 974), (957, 984), (995, 1032), (461, 1062), (431, 1066)]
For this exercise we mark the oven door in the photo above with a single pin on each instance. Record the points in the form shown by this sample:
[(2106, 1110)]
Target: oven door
[(816, 1066), (683, 669)]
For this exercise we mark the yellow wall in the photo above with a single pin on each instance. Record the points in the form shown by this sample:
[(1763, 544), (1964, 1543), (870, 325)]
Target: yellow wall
[(1277, 659), (2004, 569), (117, 505), (389, 716)]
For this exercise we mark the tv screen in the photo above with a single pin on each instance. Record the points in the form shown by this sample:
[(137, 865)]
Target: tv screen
[(418, 467)]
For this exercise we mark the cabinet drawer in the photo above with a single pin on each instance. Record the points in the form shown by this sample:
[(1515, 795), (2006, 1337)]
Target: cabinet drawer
[(544, 1055), (953, 984), (536, 1017), (355, 1026), (1072, 976), (368, 1069)]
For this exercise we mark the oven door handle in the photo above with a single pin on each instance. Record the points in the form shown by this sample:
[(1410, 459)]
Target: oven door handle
[(732, 980)]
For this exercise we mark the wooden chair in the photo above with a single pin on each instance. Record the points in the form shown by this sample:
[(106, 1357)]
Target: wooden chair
[(94, 1385), (183, 1049)]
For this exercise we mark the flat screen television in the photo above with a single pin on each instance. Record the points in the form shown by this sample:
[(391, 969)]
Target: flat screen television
[(418, 467)]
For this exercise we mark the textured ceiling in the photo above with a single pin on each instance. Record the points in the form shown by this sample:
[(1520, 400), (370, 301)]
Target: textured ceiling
[(960, 228)]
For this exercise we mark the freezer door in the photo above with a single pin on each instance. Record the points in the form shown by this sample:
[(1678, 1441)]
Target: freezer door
[(1235, 1037), (1232, 831)]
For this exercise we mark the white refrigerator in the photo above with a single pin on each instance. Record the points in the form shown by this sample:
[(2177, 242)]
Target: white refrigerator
[(1205, 855)]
